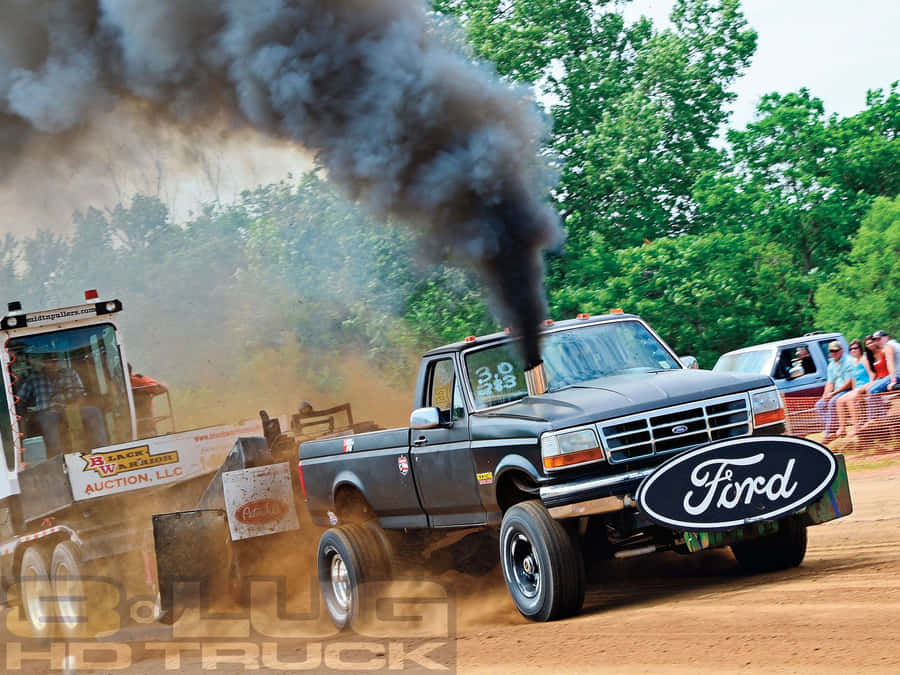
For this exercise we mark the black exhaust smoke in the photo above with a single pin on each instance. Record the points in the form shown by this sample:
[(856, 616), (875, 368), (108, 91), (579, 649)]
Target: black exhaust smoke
[(377, 88)]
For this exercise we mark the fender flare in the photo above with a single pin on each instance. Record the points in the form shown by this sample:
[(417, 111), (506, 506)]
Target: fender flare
[(346, 477), (517, 462)]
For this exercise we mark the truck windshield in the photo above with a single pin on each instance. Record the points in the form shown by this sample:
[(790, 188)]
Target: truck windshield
[(70, 391), (755, 362), (571, 356)]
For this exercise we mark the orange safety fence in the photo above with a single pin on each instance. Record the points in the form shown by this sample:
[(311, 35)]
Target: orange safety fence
[(877, 429)]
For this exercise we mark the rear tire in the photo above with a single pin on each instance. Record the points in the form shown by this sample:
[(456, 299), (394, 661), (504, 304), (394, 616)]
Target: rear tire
[(542, 565), (35, 593), (68, 589), (779, 551), (351, 560)]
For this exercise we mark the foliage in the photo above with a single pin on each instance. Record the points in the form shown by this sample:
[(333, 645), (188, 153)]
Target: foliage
[(706, 293), (862, 297)]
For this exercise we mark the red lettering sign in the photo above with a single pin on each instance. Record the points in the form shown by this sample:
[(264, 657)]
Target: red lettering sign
[(262, 511)]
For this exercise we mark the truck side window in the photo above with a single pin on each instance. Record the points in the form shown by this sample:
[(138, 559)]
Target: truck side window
[(442, 392)]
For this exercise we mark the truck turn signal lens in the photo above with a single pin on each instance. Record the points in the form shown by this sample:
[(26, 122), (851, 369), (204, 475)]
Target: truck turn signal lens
[(91, 294), (569, 458), (768, 417)]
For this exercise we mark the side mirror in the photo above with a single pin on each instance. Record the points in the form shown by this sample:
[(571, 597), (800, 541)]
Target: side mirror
[(425, 418), (689, 362)]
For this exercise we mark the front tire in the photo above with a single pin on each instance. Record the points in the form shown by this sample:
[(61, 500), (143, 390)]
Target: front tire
[(542, 565), (351, 558), (778, 551)]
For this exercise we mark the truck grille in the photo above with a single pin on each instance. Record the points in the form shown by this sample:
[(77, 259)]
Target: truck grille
[(674, 429)]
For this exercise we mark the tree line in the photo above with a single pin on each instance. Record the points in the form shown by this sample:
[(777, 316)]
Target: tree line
[(787, 225)]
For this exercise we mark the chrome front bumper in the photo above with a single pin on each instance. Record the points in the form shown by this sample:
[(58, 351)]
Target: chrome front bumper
[(590, 496)]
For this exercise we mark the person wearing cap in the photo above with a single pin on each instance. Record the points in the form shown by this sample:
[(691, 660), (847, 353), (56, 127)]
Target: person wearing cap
[(891, 353), (840, 381)]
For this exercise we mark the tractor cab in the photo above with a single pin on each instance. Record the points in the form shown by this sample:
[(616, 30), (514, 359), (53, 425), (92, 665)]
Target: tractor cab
[(66, 382), (70, 392)]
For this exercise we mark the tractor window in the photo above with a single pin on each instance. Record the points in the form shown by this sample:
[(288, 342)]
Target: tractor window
[(70, 388)]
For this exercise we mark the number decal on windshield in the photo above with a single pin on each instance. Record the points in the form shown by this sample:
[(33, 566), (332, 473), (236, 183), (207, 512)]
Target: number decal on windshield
[(490, 382)]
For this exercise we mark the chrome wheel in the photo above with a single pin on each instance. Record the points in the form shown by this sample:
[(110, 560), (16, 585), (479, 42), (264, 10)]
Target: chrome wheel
[(340, 583)]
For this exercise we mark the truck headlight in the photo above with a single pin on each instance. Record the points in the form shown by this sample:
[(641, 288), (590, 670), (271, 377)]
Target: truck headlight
[(565, 448), (767, 407)]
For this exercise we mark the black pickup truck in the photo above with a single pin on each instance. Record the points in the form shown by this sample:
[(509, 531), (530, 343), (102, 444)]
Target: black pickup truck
[(609, 447)]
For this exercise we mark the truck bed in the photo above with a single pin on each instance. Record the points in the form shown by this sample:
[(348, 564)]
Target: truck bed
[(378, 464)]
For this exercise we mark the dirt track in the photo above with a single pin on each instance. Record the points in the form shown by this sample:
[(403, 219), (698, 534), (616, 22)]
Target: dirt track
[(839, 612)]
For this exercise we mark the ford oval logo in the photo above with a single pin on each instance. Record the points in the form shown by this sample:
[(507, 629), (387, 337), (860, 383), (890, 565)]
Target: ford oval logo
[(680, 429), (734, 482)]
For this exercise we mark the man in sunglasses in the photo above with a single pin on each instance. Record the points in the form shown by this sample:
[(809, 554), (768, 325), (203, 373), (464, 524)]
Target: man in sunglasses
[(840, 381)]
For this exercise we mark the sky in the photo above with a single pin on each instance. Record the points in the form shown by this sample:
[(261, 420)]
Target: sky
[(837, 49)]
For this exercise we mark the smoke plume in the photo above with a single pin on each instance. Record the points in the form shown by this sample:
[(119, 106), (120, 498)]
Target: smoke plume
[(392, 109)]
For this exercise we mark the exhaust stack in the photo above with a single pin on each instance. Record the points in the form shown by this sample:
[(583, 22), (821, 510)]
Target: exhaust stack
[(536, 379)]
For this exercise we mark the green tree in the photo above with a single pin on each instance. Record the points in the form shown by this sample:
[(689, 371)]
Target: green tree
[(862, 296), (635, 109), (782, 183), (706, 294)]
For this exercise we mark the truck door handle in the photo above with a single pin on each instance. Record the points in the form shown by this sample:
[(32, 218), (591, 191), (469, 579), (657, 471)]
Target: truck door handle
[(421, 440)]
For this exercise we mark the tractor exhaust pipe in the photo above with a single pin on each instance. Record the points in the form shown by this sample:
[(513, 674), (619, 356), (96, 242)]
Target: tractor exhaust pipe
[(536, 379)]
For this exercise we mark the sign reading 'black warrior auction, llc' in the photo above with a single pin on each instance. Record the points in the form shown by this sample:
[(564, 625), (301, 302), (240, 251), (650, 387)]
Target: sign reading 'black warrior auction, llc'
[(731, 483)]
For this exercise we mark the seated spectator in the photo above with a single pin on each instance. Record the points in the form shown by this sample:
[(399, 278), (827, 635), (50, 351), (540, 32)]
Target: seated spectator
[(840, 382), (848, 407), (891, 350)]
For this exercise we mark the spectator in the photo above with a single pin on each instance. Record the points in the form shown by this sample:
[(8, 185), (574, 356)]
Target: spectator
[(804, 359), (840, 382), (143, 390), (45, 394), (848, 406), (891, 349)]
